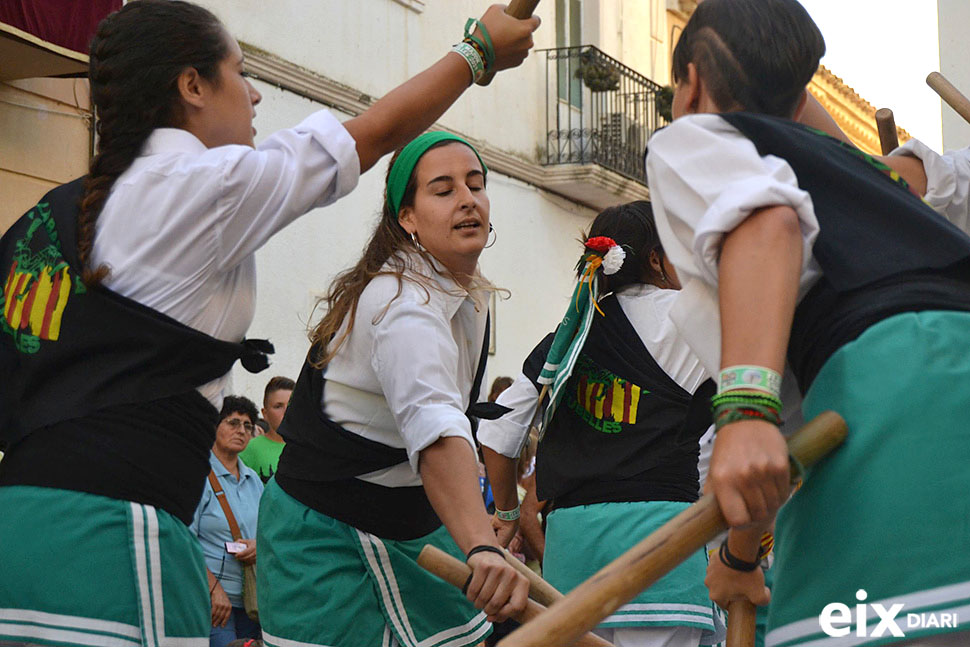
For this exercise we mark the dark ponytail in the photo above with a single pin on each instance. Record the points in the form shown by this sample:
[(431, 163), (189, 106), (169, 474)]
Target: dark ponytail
[(136, 57)]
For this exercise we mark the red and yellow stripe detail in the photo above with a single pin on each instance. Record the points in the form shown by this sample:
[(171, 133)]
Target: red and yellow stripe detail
[(618, 399), (36, 304)]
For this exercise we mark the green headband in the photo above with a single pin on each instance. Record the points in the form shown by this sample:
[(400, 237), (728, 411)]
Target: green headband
[(397, 180)]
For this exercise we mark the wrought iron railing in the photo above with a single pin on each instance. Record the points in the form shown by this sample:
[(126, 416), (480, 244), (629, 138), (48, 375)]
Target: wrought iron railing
[(599, 111)]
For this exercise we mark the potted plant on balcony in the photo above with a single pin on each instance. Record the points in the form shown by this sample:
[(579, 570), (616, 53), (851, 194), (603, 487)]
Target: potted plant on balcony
[(598, 75)]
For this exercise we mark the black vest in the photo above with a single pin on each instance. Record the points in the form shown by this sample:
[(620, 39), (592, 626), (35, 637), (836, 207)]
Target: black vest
[(99, 392), (882, 249), (321, 459), (624, 430)]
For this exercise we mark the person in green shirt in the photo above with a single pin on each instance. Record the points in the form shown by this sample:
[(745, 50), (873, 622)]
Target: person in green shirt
[(263, 452)]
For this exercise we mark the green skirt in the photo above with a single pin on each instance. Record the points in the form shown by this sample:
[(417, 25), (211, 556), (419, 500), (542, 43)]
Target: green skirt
[(889, 511), (583, 539), (325, 583), (81, 569)]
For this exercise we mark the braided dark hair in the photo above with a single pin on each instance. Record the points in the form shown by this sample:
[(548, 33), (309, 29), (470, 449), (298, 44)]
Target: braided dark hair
[(136, 58)]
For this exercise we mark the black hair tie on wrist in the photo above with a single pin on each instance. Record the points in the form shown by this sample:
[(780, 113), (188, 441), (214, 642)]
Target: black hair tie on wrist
[(485, 548), (734, 562)]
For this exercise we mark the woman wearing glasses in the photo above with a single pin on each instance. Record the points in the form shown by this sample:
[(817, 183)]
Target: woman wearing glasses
[(243, 488)]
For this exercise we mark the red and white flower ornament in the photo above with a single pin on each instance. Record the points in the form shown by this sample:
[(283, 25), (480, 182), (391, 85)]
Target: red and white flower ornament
[(601, 251), (609, 254)]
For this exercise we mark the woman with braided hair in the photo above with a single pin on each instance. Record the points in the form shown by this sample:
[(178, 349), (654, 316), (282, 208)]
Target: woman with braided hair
[(126, 298), (618, 455)]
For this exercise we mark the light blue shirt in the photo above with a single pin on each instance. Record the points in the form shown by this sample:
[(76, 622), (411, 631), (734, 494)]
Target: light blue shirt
[(210, 526)]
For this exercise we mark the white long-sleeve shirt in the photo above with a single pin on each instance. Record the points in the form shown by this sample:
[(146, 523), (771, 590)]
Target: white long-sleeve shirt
[(947, 180), (181, 225), (705, 179), (404, 375), (647, 308)]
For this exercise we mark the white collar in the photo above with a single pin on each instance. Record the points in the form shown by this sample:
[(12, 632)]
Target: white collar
[(171, 140), (452, 294)]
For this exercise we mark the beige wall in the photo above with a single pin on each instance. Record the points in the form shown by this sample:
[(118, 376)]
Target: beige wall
[(954, 16), (46, 140)]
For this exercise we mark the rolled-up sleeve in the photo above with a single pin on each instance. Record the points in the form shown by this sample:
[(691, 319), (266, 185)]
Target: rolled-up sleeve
[(507, 435), (415, 359), (705, 180), (291, 172), (947, 180)]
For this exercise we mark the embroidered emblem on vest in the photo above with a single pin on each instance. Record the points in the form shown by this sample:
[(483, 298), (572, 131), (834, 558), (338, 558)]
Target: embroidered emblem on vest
[(38, 286), (605, 401)]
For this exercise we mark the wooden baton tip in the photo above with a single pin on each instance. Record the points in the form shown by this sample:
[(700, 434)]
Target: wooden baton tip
[(886, 125), (948, 92), (443, 565), (520, 9), (456, 573), (741, 624), (653, 557), (539, 590)]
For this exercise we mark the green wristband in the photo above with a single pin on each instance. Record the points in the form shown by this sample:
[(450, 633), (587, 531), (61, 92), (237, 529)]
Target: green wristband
[(487, 45)]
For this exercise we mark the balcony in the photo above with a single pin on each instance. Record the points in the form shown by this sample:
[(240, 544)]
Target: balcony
[(599, 115)]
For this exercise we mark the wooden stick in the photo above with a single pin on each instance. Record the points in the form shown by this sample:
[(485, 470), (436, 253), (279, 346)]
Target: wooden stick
[(539, 590), (652, 558), (456, 572), (953, 97), (741, 624), (517, 9), (886, 125)]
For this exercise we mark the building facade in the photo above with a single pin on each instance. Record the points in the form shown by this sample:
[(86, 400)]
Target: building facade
[(563, 136)]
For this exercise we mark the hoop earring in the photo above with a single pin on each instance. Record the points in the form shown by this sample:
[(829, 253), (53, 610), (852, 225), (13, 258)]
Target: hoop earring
[(414, 240), (492, 231)]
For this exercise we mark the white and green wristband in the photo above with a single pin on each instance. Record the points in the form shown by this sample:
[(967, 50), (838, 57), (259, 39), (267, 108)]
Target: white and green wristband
[(473, 58), (757, 378), (508, 515)]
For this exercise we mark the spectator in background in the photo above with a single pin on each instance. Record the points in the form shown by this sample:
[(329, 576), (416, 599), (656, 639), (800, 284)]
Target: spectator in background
[(224, 565), (263, 452), (499, 385)]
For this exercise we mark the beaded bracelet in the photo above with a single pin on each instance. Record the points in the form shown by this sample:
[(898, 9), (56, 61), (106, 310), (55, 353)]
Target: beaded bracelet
[(746, 397), (473, 59), (477, 45), (749, 377), (508, 515), (744, 413), (733, 406)]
